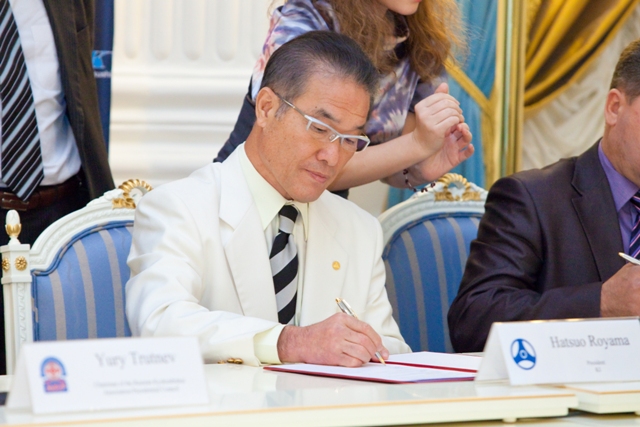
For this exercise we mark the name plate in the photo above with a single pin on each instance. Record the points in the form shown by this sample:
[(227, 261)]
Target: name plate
[(562, 351), (119, 373)]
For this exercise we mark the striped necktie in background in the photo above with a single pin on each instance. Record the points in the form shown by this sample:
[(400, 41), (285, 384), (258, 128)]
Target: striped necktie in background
[(284, 265), (634, 239), (22, 169)]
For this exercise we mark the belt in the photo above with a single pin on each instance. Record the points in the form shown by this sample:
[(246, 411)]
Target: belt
[(42, 197)]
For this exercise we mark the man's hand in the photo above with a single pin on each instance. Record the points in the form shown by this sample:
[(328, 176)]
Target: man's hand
[(340, 340), (620, 295), (437, 117), (456, 149)]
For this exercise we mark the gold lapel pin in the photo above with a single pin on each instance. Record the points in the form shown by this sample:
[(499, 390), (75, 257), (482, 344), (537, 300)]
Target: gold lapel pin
[(336, 265)]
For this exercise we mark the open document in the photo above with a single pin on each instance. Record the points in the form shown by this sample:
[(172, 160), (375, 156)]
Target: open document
[(407, 368)]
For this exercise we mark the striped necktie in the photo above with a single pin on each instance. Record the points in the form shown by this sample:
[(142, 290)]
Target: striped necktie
[(284, 265), (634, 239), (22, 169)]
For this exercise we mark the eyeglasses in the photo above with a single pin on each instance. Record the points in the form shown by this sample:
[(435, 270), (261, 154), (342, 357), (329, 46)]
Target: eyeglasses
[(323, 132)]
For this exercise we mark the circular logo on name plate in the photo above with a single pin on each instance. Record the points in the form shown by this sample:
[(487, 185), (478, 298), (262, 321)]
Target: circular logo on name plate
[(523, 354), (53, 373)]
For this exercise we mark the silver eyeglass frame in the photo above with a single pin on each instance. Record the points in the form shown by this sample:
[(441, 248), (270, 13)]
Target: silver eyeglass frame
[(335, 134)]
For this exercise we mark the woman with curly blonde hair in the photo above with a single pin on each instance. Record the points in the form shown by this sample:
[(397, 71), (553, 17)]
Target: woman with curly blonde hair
[(417, 133)]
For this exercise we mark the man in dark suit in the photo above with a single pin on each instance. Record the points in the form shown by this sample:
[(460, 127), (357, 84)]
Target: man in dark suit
[(548, 244), (73, 26), (57, 40), (47, 45)]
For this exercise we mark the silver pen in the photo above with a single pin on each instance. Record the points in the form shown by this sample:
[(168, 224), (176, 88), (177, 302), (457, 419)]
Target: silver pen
[(629, 258), (346, 309)]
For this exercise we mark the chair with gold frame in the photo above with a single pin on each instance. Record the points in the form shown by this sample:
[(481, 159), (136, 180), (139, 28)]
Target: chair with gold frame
[(427, 241), (70, 284)]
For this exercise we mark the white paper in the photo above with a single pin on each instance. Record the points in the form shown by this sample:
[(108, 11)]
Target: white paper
[(377, 372), (429, 359), (89, 375), (569, 351)]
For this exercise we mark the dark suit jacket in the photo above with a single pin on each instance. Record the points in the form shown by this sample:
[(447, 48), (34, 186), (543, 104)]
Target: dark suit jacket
[(72, 25), (547, 241)]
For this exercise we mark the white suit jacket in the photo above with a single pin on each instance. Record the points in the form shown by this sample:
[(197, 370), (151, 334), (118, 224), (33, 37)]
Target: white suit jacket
[(200, 267)]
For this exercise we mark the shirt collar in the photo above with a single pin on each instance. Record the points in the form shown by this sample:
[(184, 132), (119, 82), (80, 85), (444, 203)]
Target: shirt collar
[(267, 199), (621, 188)]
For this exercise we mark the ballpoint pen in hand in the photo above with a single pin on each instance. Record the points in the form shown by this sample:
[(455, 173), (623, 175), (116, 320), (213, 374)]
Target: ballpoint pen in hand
[(629, 258), (346, 309)]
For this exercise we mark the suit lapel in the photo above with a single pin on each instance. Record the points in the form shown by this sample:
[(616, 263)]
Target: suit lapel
[(326, 263), (246, 250), (596, 210), (62, 17)]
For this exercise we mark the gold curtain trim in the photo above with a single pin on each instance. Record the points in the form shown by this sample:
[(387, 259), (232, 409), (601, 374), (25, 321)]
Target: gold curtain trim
[(532, 10), (607, 25), (553, 7), (576, 76), (547, 37), (470, 87), (488, 140), (487, 108)]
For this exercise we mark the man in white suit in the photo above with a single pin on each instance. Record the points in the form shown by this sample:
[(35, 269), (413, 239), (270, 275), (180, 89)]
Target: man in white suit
[(204, 261)]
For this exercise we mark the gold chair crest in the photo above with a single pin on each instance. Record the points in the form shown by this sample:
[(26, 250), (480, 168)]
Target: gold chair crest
[(443, 193)]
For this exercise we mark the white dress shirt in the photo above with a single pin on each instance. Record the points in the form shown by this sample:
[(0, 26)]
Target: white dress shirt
[(59, 151)]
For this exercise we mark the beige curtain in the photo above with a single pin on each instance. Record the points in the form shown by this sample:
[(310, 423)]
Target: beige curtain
[(572, 120), (564, 37)]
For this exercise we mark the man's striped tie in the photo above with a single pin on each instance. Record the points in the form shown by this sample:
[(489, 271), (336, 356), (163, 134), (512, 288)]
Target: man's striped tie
[(284, 265), (22, 169), (634, 240)]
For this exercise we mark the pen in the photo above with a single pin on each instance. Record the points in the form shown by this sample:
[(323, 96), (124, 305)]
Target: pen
[(631, 259), (346, 309)]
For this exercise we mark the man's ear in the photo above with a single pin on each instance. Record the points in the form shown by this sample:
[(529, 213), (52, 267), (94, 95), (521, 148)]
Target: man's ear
[(615, 100), (266, 106)]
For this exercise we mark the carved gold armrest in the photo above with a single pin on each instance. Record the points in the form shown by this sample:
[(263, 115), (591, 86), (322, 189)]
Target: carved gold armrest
[(132, 191)]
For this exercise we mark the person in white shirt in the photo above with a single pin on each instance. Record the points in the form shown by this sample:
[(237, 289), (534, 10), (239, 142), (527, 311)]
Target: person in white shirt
[(54, 39), (205, 259)]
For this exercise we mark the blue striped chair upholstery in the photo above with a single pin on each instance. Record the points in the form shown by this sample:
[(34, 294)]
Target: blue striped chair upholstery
[(427, 241), (81, 294), (70, 284)]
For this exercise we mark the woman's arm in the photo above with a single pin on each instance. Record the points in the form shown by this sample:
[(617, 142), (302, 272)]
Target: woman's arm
[(456, 149), (432, 142)]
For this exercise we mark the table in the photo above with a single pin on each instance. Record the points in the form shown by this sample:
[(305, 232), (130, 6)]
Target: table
[(248, 396)]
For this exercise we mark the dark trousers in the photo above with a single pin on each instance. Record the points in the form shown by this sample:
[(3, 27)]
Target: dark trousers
[(34, 221)]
